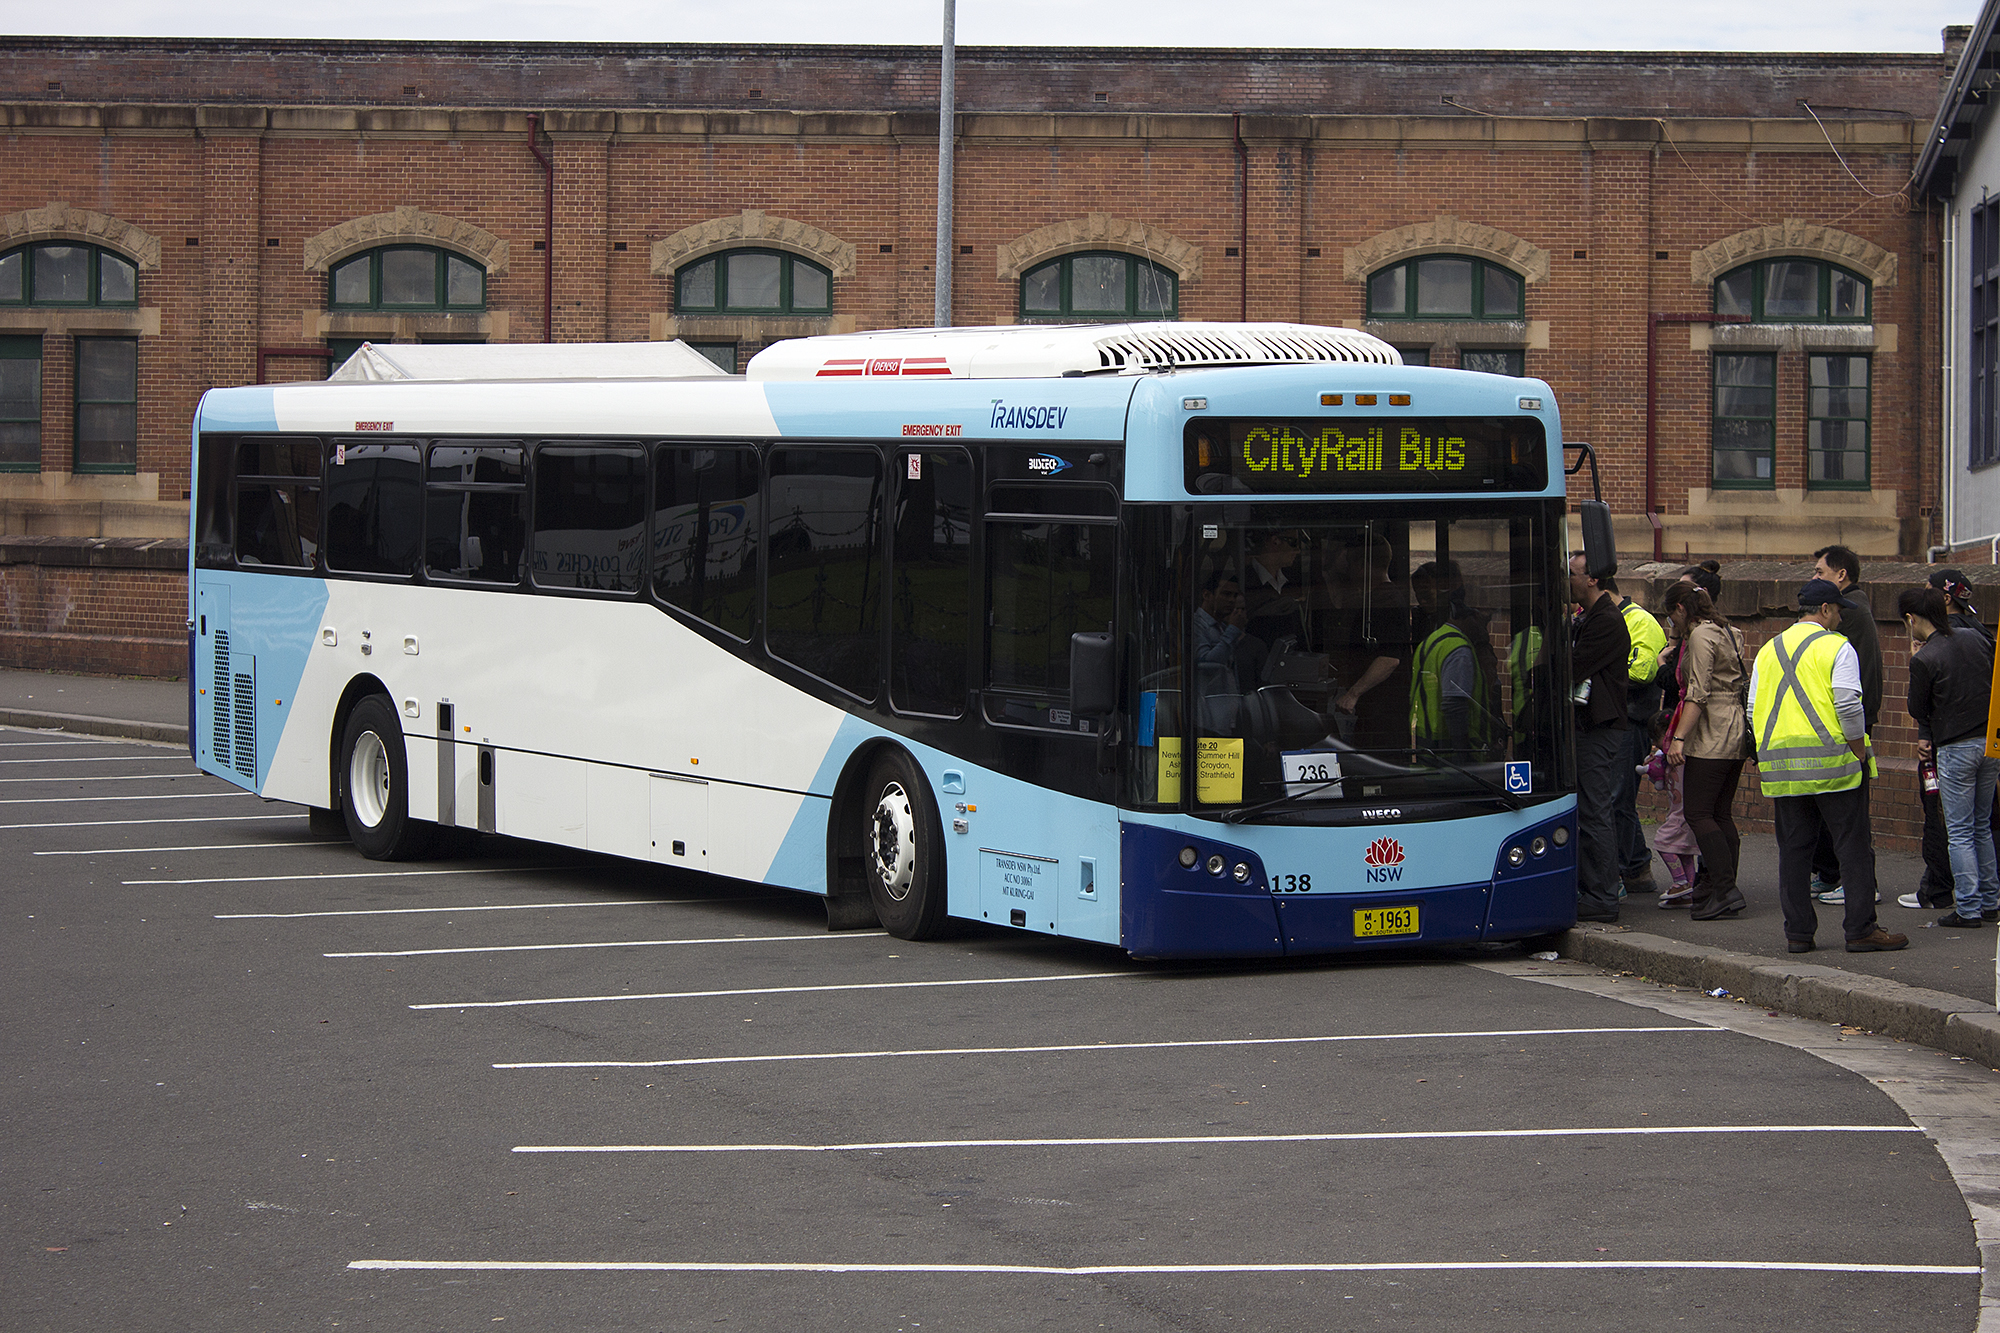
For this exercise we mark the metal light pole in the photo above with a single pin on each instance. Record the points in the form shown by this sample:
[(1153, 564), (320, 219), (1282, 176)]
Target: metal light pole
[(947, 115)]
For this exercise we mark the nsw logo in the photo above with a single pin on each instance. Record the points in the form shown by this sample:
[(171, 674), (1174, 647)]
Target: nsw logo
[(1385, 861)]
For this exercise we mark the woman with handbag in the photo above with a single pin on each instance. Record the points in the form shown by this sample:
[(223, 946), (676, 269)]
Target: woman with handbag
[(1709, 734)]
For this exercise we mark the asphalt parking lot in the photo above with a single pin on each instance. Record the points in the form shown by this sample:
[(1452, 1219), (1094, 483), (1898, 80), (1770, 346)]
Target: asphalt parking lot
[(255, 1081)]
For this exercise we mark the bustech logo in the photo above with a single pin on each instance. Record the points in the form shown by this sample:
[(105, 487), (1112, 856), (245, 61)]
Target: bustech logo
[(1385, 861)]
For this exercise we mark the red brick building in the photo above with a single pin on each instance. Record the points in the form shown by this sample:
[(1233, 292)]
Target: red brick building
[(181, 214)]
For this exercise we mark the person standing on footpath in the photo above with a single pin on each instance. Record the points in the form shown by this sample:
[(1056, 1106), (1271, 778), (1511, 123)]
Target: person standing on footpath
[(1599, 647), (1812, 758), (1839, 566), (1951, 684), (1642, 701), (1708, 735)]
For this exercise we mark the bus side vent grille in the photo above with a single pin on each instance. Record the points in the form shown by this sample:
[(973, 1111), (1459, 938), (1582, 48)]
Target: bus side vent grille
[(246, 726), (1264, 345), (218, 676)]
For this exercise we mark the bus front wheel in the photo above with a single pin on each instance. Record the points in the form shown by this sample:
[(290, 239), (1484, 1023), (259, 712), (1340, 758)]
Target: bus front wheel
[(905, 850), (375, 785)]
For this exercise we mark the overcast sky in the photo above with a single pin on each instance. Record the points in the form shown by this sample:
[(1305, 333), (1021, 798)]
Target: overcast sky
[(1712, 25)]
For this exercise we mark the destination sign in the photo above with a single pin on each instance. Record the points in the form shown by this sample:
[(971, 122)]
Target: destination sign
[(1387, 455)]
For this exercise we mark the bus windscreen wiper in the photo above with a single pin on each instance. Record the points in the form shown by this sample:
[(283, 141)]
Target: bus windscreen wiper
[(1513, 801)]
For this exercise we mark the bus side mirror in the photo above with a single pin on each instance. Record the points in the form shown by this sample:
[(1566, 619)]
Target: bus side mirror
[(1093, 674), (1600, 548)]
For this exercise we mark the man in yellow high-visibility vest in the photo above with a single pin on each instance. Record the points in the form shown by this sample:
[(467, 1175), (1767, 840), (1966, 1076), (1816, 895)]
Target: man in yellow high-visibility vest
[(1811, 734)]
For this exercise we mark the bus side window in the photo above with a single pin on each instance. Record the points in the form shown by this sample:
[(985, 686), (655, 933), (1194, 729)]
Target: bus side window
[(930, 582), (590, 517), (1044, 582), (277, 502), (705, 526), (214, 515), (374, 507), (823, 589), (476, 511)]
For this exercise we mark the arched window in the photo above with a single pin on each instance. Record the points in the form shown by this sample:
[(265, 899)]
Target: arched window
[(1100, 285), (406, 277), (753, 282), (67, 273), (1444, 287), (1794, 291)]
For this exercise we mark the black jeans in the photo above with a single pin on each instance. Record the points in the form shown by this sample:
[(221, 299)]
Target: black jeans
[(1708, 803), (1600, 753), (1843, 817), (1826, 856)]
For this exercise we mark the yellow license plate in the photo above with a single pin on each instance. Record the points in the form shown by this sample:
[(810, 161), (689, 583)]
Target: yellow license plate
[(1384, 921)]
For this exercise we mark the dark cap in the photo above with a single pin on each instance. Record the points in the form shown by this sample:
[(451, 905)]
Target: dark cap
[(1942, 579), (1818, 592)]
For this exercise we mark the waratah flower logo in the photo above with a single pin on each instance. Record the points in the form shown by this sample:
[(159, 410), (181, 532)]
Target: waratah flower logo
[(1385, 852)]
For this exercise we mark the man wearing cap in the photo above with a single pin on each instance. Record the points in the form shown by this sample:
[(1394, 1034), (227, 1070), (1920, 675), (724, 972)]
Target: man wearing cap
[(1937, 887), (1807, 717)]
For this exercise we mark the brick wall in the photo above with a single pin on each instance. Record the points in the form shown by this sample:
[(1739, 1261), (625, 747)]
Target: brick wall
[(1618, 166), (108, 607)]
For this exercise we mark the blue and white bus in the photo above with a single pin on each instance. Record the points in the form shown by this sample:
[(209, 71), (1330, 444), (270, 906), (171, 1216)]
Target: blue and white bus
[(1190, 639)]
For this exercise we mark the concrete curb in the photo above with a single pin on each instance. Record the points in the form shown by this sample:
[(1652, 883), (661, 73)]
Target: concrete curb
[(168, 732), (1910, 1013)]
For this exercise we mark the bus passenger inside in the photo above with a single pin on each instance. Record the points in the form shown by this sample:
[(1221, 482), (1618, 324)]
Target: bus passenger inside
[(1219, 623), (1365, 634), (1454, 698)]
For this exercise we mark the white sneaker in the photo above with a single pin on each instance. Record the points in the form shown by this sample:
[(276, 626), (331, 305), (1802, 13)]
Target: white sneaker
[(1831, 897), (1908, 900)]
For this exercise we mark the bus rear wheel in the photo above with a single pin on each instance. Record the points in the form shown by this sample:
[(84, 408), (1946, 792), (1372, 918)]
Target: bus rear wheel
[(375, 785), (905, 850)]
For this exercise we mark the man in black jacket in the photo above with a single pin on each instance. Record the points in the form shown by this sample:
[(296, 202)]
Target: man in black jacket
[(1839, 566), (1599, 646)]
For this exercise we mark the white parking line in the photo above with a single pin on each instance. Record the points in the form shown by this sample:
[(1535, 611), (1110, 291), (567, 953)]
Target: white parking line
[(614, 944), (93, 759), (117, 777), (1086, 1046), (355, 874), (94, 800), (773, 990), (43, 745), (209, 847), (496, 907), (125, 823), (1108, 1270), (1168, 1140)]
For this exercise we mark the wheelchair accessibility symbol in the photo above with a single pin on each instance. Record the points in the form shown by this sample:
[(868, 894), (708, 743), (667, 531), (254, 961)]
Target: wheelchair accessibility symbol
[(1520, 775)]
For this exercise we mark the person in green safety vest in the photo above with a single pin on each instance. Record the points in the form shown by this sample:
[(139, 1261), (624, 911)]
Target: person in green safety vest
[(1811, 733), (1642, 701), (1452, 687)]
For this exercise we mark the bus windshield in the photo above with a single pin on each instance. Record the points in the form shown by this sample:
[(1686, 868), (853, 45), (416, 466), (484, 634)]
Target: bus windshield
[(1408, 653)]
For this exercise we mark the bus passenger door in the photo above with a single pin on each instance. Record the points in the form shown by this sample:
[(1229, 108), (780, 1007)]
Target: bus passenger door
[(679, 811)]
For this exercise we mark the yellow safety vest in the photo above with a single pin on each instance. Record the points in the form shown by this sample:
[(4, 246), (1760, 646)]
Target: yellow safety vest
[(1427, 691), (1648, 638), (1800, 750)]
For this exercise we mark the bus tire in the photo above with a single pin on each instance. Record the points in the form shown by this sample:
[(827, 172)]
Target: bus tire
[(904, 849), (375, 785)]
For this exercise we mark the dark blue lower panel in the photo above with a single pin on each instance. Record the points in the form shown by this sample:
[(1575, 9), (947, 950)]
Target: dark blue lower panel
[(1323, 923), (1171, 911), (1525, 905)]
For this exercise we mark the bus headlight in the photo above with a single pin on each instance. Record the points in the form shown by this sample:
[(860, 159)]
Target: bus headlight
[(1516, 857), (1561, 835), (1188, 857), (1242, 872), (1215, 864), (1539, 847)]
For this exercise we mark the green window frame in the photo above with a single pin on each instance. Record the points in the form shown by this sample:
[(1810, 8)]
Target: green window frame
[(1106, 285), (20, 404), (1744, 421), (107, 405), (67, 273), (1446, 287), (753, 281), (1837, 421), (406, 277), (1795, 290)]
